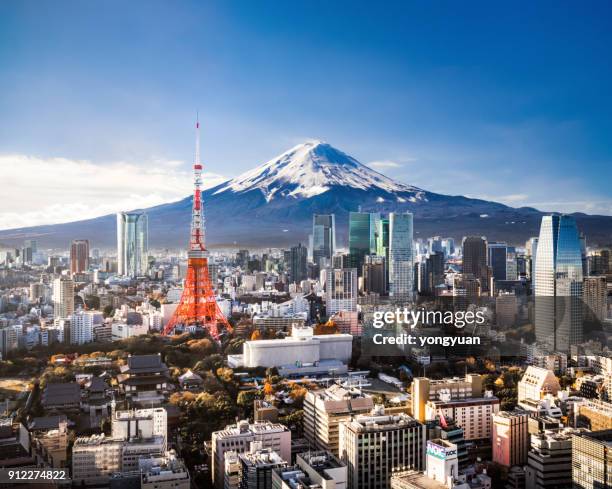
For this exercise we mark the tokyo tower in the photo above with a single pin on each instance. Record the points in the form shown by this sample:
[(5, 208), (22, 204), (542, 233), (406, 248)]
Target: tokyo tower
[(198, 306)]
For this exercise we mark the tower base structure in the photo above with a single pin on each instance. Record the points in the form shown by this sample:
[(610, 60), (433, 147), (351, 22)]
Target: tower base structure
[(198, 306)]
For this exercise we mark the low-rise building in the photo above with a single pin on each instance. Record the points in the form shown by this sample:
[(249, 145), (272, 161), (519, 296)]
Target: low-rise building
[(238, 438)]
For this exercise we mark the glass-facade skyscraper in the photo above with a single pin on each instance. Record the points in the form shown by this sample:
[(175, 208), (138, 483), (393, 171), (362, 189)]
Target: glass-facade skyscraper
[(497, 257), (558, 283), (323, 238), (132, 243), (362, 236), (401, 255)]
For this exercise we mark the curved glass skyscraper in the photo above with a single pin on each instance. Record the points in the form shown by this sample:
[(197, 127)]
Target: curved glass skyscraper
[(558, 283), (132, 243)]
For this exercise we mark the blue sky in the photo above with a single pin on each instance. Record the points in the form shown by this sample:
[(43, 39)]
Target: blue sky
[(506, 102)]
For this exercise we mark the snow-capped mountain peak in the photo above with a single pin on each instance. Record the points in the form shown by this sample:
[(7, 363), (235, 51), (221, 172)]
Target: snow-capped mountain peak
[(310, 169)]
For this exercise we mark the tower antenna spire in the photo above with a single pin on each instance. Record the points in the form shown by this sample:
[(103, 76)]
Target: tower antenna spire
[(198, 306)]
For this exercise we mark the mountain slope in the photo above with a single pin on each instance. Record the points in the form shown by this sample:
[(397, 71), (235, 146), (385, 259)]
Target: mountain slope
[(272, 205)]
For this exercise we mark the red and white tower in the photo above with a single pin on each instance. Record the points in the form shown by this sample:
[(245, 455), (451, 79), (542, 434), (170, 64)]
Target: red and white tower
[(198, 306)]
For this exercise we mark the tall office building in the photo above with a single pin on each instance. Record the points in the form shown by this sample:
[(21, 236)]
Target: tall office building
[(375, 446), (531, 250), (30, 247), (592, 460), (510, 438), (341, 290), (132, 243), (79, 256), (558, 286), (375, 274), (401, 256), (595, 298), (475, 259), (362, 236), (298, 264), (323, 238), (63, 297), (496, 258), (82, 324), (382, 238)]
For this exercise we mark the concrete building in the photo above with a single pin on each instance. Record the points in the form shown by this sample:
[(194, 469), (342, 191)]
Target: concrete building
[(341, 290), (549, 463), (97, 457), (238, 438), (510, 438), (167, 472), (536, 383), (425, 389), (79, 256), (595, 293), (301, 353), (474, 415), (597, 413), (63, 297), (325, 409), (82, 324), (140, 423), (278, 322), (257, 465), (231, 473), (313, 470), (376, 445), (592, 460)]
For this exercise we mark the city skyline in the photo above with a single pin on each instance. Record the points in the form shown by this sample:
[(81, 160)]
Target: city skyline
[(461, 103)]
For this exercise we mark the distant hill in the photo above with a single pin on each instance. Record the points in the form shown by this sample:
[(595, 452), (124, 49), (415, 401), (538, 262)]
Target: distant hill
[(272, 205)]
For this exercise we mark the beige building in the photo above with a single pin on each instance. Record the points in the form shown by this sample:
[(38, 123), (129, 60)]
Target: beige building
[(536, 383), (325, 409), (598, 413), (425, 389), (474, 415), (63, 297)]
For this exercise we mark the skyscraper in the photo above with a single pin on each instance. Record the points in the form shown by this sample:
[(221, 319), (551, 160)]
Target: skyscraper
[(475, 259), (298, 263), (79, 256), (341, 290), (496, 259), (362, 236), (63, 297), (382, 239), (401, 255), (558, 285), (132, 243), (323, 238)]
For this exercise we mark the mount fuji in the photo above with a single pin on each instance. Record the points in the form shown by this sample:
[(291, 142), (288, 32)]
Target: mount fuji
[(272, 205)]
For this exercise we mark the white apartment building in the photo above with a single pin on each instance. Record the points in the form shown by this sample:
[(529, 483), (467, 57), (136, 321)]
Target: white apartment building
[(140, 423), (238, 438)]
